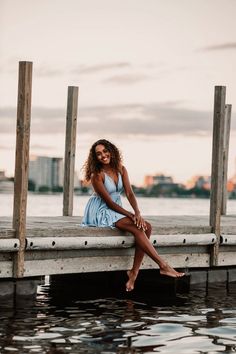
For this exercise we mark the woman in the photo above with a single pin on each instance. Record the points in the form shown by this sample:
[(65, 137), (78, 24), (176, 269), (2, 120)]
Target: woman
[(109, 177)]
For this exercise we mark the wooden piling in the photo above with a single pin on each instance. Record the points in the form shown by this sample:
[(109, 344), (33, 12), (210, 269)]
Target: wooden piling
[(217, 168), (70, 147), (227, 122), (22, 162)]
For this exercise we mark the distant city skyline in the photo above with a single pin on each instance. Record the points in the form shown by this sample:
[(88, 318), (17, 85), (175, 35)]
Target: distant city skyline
[(147, 85), (46, 171), (41, 168)]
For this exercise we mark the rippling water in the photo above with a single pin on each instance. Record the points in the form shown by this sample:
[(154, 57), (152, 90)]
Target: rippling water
[(198, 322), (61, 320)]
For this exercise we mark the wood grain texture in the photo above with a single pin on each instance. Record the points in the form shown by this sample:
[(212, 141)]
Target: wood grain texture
[(227, 122), (22, 161), (70, 148), (108, 263), (217, 167), (49, 226), (6, 270)]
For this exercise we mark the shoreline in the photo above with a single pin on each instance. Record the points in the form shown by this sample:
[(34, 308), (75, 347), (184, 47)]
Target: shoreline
[(137, 195)]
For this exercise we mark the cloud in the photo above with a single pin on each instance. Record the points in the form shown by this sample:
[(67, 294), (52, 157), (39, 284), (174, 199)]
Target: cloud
[(42, 112), (223, 46), (126, 79), (91, 69), (151, 119), (46, 71), (41, 147), (33, 147), (6, 147)]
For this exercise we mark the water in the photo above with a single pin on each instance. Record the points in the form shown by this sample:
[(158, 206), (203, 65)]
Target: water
[(198, 322), (56, 321), (51, 205)]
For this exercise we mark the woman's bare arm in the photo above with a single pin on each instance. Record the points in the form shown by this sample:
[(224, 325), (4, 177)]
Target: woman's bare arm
[(138, 220)]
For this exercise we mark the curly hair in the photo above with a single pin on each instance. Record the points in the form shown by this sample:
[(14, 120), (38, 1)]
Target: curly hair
[(92, 165)]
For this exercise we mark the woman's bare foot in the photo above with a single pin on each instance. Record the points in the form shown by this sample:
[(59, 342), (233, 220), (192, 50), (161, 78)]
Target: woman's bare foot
[(166, 269), (130, 283)]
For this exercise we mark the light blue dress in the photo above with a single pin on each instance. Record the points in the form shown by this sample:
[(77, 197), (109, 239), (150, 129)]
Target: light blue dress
[(97, 213)]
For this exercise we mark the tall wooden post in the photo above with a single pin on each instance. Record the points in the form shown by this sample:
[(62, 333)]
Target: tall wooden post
[(22, 162), (217, 167), (70, 147), (228, 109)]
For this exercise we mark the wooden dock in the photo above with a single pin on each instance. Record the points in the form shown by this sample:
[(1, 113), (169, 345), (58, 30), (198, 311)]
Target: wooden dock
[(35, 246), (60, 245)]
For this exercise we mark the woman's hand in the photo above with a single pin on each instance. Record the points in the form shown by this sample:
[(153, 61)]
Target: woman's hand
[(139, 222)]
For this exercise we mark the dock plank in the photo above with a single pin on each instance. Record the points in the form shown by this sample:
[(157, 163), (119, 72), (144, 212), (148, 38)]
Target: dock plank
[(62, 224)]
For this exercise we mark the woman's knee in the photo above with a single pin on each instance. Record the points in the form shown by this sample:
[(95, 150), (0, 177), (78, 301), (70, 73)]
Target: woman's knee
[(123, 223)]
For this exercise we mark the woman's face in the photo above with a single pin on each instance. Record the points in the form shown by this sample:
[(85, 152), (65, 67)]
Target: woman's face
[(103, 155)]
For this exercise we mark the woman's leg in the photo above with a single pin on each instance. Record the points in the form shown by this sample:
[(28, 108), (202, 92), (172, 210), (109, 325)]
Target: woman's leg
[(143, 242), (138, 257)]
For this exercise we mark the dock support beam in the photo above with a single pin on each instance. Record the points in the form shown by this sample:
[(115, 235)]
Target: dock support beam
[(217, 168), (70, 147), (227, 122), (22, 162)]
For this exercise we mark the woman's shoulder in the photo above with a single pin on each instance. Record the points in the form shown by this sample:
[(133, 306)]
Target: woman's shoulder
[(123, 170), (97, 176)]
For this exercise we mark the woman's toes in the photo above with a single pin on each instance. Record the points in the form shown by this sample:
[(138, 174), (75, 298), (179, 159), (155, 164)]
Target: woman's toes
[(131, 281)]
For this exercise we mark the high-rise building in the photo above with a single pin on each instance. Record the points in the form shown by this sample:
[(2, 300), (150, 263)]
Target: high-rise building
[(202, 182), (2, 175), (6, 185), (159, 178), (46, 171)]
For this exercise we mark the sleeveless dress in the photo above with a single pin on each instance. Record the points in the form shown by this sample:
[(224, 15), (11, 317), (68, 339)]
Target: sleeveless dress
[(97, 213)]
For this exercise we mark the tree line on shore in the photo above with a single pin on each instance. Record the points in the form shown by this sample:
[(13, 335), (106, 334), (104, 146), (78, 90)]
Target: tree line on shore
[(169, 190), (159, 190)]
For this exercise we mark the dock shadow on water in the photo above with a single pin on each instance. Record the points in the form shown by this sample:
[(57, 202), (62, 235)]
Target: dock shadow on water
[(93, 314)]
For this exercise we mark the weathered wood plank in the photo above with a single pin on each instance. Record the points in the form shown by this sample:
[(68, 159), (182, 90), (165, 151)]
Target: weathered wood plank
[(71, 226), (6, 270), (99, 264), (226, 258), (90, 232), (227, 123), (217, 166), (217, 154), (78, 253), (7, 233), (228, 230), (164, 222), (70, 147), (22, 161)]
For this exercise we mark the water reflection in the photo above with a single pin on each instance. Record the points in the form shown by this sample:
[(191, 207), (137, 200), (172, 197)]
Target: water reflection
[(62, 320)]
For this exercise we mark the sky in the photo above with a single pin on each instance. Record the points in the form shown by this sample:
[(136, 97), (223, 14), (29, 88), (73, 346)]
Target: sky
[(146, 72)]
